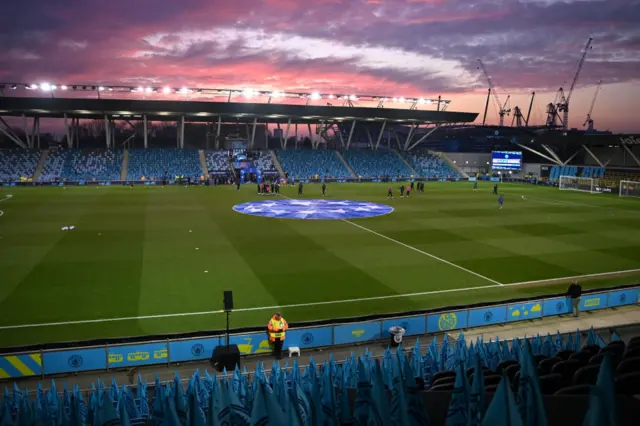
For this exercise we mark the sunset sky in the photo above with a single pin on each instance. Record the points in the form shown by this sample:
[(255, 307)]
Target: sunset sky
[(410, 48)]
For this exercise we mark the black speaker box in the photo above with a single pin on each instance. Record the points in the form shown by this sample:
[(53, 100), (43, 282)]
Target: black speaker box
[(226, 357), (228, 300)]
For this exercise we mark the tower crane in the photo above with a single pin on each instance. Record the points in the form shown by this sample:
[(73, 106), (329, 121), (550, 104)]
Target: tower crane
[(563, 105), (589, 121), (503, 109)]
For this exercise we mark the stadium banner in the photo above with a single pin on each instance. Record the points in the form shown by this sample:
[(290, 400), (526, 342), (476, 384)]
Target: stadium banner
[(304, 338), (412, 325), (524, 311), (446, 321), (622, 298), (134, 355), (253, 343), (22, 365), (556, 306), (75, 360), (487, 316), (356, 332), (191, 350), (591, 302)]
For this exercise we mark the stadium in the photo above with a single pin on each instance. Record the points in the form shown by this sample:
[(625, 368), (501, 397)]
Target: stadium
[(119, 238)]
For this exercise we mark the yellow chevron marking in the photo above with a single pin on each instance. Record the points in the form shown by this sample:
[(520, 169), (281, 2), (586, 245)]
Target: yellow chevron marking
[(3, 374), (37, 358), (19, 365)]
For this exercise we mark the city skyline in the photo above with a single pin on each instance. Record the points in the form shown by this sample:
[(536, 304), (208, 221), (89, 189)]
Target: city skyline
[(393, 48)]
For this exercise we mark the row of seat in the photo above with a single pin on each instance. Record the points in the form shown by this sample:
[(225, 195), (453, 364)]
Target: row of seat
[(307, 164), (18, 163), (158, 163), (376, 164), (430, 166)]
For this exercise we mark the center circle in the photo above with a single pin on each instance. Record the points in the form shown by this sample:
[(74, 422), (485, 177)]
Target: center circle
[(313, 209)]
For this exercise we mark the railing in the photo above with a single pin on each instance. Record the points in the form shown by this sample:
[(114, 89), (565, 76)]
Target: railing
[(129, 355)]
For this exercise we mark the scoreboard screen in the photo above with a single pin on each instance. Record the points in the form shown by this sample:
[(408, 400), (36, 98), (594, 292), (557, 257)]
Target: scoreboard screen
[(506, 160)]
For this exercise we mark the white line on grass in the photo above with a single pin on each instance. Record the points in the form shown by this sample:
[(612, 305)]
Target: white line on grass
[(302, 305), (417, 250)]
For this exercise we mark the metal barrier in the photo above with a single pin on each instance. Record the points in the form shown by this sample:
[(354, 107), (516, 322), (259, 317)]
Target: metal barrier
[(184, 350)]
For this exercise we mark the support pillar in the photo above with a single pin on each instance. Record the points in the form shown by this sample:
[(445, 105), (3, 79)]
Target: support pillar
[(146, 133), (631, 154), (253, 132), (25, 124), (218, 130), (353, 126), (38, 131), (314, 144), (286, 135), (68, 130), (107, 132), (384, 124), (280, 135), (182, 132), (593, 156)]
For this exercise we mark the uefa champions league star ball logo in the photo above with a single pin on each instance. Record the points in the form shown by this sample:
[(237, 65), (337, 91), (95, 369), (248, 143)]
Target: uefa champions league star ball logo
[(313, 209)]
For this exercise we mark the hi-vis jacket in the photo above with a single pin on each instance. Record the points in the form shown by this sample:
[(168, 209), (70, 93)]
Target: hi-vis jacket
[(277, 328)]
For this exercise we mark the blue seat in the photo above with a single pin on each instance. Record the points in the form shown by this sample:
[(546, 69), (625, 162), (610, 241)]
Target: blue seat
[(307, 163), (156, 163), (93, 164), (429, 166), (376, 164), (17, 163)]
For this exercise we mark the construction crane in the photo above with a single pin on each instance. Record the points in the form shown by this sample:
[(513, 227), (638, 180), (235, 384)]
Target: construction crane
[(563, 105), (589, 121), (518, 119), (503, 109)]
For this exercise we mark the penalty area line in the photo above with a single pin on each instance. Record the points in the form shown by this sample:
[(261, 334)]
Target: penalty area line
[(302, 305)]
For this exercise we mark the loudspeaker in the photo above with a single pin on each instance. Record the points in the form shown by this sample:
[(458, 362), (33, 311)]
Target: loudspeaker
[(226, 357), (228, 300)]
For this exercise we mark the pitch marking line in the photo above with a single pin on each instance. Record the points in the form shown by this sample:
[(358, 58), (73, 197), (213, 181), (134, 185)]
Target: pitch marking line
[(301, 305), (417, 250)]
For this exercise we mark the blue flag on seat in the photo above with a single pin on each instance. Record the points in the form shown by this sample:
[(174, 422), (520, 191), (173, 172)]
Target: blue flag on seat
[(477, 398), (266, 410), (458, 412), (530, 403), (603, 408), (106, 414), (123, 410), (503, 410)]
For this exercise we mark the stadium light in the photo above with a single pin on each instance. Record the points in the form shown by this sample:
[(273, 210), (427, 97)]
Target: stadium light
[(184, 90), (330, 96), (275, 94), (353, 97), (45, 87), (395, 99), (33, 86), (14, 86), (248, 93), (140, 89), (63, 87), (315, 96), (166, 90), (401, 99), (100, 89), (421, 101), (149, 89)]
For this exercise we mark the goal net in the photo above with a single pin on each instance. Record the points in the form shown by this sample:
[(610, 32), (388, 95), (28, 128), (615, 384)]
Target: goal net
[(629, 188), (582, 184)]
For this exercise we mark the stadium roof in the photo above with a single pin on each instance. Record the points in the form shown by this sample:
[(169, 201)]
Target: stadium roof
[(211, 111)]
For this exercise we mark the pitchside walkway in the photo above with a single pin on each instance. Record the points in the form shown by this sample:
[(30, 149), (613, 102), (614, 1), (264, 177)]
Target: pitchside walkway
[(604, 321)]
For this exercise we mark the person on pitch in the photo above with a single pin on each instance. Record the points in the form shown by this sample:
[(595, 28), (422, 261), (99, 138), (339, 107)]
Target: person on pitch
[(500, 201), (324, 189), (402, 191), (300, 189), (409, 188), (277, 328), (495, 188), (475, 185), (390, 192)]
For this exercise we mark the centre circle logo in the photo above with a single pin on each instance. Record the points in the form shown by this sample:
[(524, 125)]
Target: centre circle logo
[(488, 316), (307, 338), (312, 209), (75, 361), (197, 349)]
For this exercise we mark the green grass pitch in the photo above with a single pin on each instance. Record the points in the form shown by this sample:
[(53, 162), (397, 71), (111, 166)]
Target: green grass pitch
[(144, 251)]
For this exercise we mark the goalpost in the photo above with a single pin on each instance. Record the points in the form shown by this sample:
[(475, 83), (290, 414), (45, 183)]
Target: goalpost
[(581, 184), (629, 188)]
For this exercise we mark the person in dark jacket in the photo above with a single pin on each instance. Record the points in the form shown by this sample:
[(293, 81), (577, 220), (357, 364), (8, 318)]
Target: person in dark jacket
[(575, 292)]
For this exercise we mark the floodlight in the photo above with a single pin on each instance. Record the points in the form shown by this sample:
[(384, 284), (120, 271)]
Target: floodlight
[(63, 87), (421, 101), (54, 87), (14, 86), (166, 90), (33, 86), (315, 96), (353, 97), (184, 90), (275, 94), (148, 89), (401, 99), (45, 87), (247, 93), (395, 99), (111, 89), (100, 89), (330, 96)]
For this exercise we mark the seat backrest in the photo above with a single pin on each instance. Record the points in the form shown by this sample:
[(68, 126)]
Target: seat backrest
[(512, 370), (443, 381), (550, 383), (587, 375), (592, 349), (492, 379), (502, 366), (443, 387), (628, 384), (575, 390), (581, 356), (631, 352), (442, 374), (567, 368), (546, 365), (565, 353), (629, 365)]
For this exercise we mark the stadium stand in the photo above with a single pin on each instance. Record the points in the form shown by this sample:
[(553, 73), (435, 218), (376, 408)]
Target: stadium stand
[(376, 164), (54, 165), (264, 162), (17, 163), (154, 164), (446, 384), (218, 161), (92, 164), (306, 164), (429, 166)]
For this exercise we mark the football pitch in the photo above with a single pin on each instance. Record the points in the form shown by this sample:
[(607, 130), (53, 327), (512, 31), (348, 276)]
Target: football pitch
[(153, 260)]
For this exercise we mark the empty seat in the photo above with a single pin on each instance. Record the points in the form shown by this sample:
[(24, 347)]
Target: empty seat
[(445, 387), (592, 349), (565, 353), (512, 370), (545, 366), (574, 390), (616, 351), (628, 365), (581, 356), (628, 384), (567, 369), (443, 381), (491, 388), (586, 375), (502, 366), (631, 352), (442, 374), (538, 358), (551, 383), (492, 379)]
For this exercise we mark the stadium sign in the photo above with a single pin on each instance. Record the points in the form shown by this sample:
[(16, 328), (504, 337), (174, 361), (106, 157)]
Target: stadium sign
[(631, 140)]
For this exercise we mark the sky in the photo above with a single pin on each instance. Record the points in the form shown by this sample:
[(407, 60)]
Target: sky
[(408, 48)]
